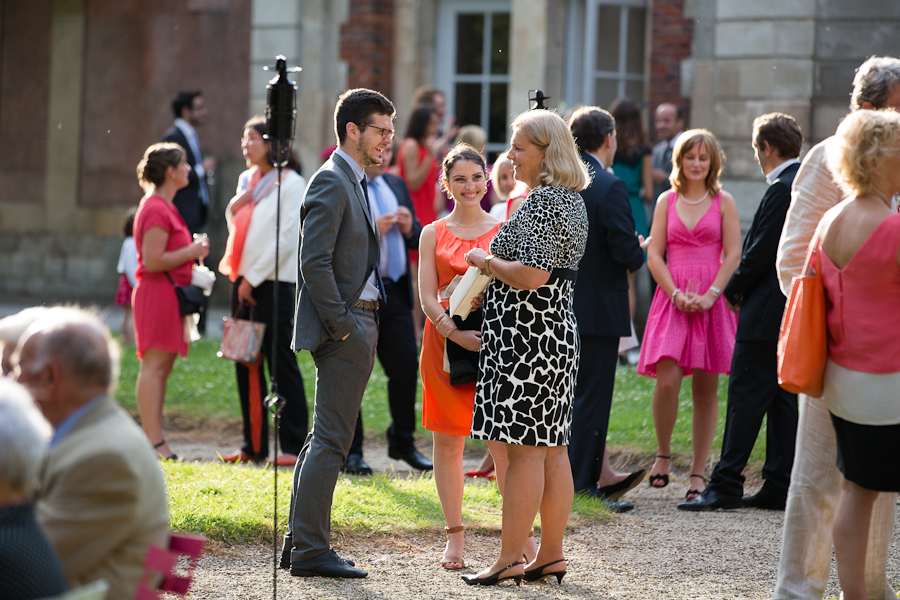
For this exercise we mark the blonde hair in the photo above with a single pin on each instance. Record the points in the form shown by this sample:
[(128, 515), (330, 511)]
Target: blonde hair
[(862, 141), (686, 141), (562, 164), (501, 162), (473, 135)]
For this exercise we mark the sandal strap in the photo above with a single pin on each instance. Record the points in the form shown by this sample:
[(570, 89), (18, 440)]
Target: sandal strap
[(162, 443), (665, 457), (700, 476), (449, 530)]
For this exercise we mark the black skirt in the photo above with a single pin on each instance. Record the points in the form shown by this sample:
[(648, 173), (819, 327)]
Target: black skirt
[(868, 455)]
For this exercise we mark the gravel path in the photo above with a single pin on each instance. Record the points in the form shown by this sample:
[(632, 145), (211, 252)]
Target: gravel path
[(655, 551)]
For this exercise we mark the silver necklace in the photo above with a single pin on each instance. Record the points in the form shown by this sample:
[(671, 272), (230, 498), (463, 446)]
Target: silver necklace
[(694, 202)]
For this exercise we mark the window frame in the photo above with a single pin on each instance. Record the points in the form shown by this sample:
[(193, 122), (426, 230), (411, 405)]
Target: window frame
[(590, 74)]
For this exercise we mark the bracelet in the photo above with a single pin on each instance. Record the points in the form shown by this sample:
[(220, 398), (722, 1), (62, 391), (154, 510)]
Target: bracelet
[(715, 290), (487, 264), (676, 292)]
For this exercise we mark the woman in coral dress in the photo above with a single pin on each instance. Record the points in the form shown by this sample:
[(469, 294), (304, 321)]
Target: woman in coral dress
[(695, 248), (446, 408), (164, 246)]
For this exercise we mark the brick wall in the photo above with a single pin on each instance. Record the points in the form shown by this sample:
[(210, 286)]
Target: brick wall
[(367, 44), (670, 43)]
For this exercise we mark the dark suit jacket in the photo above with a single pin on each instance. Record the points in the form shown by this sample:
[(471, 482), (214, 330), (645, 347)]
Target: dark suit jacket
[(398, 186), (601, 291), (339, 248), (755, 282), (188, 200)]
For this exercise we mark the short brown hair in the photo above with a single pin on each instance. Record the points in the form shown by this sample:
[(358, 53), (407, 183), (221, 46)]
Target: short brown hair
[(780, 131), (688, 140), (151, 171), (590, 126)]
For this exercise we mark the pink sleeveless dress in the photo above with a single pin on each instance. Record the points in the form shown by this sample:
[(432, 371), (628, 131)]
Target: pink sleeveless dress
[(700, 340)]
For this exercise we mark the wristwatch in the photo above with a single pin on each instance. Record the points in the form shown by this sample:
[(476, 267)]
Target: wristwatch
[(487, 264)]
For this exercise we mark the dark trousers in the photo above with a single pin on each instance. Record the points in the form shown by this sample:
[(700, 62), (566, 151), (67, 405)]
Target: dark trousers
[(590, 416), (294, 416), (753, 392), (397, 354)]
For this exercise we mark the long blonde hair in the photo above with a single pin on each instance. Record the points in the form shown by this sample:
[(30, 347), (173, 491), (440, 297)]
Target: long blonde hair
[(562, 164)]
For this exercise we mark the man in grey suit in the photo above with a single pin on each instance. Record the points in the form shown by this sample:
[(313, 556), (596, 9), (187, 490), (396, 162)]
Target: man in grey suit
[(669, 123), (337, 299)]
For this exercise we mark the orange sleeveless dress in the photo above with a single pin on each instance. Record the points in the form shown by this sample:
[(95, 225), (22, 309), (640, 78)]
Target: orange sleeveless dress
[(447, 408)]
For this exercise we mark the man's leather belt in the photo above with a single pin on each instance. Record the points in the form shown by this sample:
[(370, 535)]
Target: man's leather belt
[(366, 304)]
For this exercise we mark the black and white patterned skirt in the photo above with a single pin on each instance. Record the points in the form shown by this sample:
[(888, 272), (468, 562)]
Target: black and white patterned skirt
[(529, 361)]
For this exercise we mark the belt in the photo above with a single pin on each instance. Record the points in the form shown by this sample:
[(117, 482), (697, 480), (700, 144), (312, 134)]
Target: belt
[(366, 304)]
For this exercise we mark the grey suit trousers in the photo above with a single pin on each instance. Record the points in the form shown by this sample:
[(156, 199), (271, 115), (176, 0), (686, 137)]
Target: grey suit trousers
[(342, 371)]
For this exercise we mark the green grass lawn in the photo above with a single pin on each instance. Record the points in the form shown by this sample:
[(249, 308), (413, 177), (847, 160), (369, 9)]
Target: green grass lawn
[(234, 504)]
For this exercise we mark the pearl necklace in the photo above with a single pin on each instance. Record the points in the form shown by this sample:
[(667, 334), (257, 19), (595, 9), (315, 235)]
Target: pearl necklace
[(694, 202)]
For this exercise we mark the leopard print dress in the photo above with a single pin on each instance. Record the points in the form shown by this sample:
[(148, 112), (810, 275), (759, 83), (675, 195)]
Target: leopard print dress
[(530, 346)]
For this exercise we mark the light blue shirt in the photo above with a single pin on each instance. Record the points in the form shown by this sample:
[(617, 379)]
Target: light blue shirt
[(370, 292), (69, 422)]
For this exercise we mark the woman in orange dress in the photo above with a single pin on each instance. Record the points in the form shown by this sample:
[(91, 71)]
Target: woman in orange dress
[(446, 408)]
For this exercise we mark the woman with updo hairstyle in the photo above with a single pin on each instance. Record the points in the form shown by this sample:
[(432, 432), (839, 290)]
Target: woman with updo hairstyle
[(249, 263), (530, 348), (164, 245), (447, 407), (856, 249)]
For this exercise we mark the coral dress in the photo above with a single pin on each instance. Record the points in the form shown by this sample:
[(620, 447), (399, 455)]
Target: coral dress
[(447, 408), (699, 340), (157, 321)]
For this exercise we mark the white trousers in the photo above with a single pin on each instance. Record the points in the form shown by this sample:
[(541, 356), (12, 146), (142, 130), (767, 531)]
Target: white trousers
[(812, 499)]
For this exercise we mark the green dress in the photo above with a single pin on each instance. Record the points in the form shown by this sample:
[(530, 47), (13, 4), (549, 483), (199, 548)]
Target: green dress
[(628, 169)]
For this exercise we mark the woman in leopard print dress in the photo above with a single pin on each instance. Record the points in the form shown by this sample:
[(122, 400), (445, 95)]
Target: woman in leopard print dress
[(530, 345)]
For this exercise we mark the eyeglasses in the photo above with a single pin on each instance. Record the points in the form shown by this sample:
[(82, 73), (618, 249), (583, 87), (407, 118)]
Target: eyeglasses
[(387, 134)]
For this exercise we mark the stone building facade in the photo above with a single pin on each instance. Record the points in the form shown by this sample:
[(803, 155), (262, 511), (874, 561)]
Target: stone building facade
[(85, 87)]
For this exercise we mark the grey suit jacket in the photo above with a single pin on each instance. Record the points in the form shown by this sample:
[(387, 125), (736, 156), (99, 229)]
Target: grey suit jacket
[(661, 158), (339, 248)]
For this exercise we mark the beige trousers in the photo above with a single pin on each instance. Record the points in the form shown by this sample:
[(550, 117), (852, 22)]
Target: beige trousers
[(812, 499)]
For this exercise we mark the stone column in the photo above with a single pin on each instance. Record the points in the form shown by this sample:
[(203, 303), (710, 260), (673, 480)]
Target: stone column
[(529, 45)]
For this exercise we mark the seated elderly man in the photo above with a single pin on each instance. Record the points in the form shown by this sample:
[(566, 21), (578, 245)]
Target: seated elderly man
[(102, 498), (29, 566)]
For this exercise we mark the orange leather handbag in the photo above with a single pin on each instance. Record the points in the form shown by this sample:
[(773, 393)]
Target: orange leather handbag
[(803, 340)]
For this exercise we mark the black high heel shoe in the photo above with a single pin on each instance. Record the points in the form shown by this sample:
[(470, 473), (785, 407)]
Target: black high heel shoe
[(539, 575), (494, 578)]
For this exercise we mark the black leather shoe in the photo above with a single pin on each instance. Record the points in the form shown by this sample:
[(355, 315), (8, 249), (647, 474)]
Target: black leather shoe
[(618, 507), (286, 554), (710, 500), (766, 500), (617, 490), (328, 564), (413, 458), (355, 465)]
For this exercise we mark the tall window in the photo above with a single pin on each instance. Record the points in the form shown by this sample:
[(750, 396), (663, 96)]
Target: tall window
[(473, 66), (615, 37)]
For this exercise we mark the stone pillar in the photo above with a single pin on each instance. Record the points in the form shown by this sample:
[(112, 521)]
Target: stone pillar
[(529, 45)]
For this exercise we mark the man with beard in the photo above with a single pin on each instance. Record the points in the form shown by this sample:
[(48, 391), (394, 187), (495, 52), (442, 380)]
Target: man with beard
[(337, 298)]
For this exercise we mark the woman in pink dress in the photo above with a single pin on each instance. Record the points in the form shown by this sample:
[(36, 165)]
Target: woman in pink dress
[(164, 246), (695, 247)]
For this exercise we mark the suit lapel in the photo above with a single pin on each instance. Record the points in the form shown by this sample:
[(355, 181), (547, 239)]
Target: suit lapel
[(357, 188)]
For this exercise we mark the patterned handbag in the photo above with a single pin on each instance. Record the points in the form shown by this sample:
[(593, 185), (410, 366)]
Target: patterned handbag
[(241, 338), (803, 340)]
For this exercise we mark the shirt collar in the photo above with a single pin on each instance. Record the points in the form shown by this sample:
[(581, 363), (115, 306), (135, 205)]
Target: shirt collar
[(69, 422), (774, 173), (597, 158), (185, 128), (357, 169)]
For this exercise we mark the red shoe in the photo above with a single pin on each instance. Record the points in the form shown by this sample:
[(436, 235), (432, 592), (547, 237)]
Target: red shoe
[(285, 460), (240, 457), (485, 473)]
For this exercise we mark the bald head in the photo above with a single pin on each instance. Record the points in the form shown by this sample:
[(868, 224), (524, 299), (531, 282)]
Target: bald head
[(65, 359), (667, 121)]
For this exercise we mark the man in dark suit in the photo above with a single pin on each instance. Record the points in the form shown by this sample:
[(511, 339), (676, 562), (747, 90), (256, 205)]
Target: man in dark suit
[(669, 124), (601, 307), (395, 218), (191, 201), (753, 293), (335, 319)]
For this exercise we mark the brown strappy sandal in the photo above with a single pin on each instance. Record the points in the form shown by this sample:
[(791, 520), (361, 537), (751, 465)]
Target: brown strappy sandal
[(448, 564)]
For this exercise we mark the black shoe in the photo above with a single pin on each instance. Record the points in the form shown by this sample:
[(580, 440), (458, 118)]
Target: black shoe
[(286, 554), (618, 507), (766, 500), (494, 578), (617, 490), (710, 500), (539, 574), (355, 465), (412, 457), (328, 564)]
